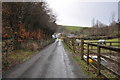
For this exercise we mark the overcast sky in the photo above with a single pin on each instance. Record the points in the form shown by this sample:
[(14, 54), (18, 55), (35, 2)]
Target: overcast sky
[(81, 12), (77, 13)]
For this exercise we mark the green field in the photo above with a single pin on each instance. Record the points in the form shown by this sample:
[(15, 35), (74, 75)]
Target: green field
[(115, 39), (73, 28), (109, 40)]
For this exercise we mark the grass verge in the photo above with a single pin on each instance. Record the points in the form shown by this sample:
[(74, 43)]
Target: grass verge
[(16, 57)]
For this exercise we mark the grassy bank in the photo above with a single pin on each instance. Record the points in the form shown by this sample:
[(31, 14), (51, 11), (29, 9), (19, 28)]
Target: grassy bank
[(12, 57), (16, 57)]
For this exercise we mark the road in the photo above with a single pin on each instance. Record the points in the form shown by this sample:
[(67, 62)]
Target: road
[(52, 62)]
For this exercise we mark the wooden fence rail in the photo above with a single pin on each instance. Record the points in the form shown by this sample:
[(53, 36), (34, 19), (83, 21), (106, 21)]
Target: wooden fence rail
[(81, 50)]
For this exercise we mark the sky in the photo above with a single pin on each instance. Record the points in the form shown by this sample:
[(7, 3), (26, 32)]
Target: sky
[(119, 11), (81, 13)]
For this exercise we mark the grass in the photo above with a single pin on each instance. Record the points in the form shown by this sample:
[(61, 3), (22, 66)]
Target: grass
[(112, 40), (87, 69), (73, 28), (108, 40), (103, 50), (115, 39), (21, 55), (108, 74), (15, 58)]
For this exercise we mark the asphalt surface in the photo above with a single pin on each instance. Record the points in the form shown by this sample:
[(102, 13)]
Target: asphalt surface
[(52, 62)]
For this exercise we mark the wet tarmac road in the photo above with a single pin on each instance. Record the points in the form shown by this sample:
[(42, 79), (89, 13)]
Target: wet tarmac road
[(52, 62)]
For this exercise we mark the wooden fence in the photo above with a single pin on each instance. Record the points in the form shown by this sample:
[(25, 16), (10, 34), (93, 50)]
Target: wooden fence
[(84, 48)]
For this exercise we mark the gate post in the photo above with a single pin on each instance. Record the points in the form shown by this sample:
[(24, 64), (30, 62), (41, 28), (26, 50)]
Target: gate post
[(87, 53), (98, 60), (73, 44), (110, 50), (82, 49)]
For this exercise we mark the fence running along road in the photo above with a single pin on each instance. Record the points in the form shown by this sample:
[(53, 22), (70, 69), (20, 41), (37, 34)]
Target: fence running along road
[(93, 48)]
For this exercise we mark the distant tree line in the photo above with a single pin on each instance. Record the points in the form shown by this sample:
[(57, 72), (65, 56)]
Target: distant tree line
[(100, 30)]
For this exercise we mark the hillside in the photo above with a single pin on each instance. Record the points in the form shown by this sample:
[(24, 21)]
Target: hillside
[(73, 28)]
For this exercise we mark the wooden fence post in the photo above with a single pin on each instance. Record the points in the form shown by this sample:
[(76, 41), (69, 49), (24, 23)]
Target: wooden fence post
[(73, 45), (77, 49), (67, 40), (110, 50), (69, 43), (87, 53), (82, 49), (98, 60)]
